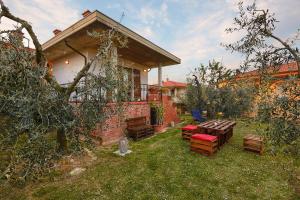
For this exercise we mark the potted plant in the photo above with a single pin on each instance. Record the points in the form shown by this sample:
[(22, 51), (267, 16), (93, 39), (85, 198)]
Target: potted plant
[(158, 122)]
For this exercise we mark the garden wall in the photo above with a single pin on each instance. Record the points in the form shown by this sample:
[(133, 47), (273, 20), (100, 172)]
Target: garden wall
[(112, 129)]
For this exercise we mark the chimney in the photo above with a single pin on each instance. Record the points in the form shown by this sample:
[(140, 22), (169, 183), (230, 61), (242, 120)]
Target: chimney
[(56, 31), (86, 13)]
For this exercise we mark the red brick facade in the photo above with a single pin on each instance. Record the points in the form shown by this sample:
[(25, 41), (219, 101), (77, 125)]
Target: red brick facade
[(112, 129), (170, 113)]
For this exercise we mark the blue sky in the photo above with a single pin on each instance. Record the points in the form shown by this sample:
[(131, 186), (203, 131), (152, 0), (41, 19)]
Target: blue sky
[(190, 29)]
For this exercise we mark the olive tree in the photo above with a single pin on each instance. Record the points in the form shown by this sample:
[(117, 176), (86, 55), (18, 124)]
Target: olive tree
[(265, 52), (259, 43), (39, 123), (212, 88)]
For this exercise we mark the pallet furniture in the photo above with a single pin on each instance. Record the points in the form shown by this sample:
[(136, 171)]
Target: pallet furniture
[(223, 129), (254, 143), (204, 144), (137, 128), (188, 131)]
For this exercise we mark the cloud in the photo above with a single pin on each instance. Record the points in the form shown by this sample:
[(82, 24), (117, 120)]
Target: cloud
[(155, 16), (198, 40), (201, 38), (146, 32), (45, 15)]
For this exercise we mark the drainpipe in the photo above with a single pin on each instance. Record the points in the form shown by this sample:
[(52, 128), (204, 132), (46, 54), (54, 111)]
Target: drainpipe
[(76, 51)]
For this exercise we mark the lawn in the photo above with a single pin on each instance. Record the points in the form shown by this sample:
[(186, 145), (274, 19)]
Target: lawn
[(162, 167)]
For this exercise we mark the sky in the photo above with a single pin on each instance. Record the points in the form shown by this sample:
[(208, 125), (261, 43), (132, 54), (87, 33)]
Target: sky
[(190, 29)]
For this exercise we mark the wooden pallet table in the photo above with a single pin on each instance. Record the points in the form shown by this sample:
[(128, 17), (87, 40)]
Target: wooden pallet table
[(204, 144), (254, 143), (223, 129), (188, 131)]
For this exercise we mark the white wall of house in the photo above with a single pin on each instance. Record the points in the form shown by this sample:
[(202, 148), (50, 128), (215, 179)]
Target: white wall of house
[(65, 73), (177, 93)]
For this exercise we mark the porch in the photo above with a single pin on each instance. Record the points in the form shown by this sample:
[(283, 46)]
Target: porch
[(139, 93)]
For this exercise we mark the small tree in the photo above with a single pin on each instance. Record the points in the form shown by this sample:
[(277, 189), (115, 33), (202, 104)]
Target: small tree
[(213, 89), (266, 52), (35, 106), (285, 114)]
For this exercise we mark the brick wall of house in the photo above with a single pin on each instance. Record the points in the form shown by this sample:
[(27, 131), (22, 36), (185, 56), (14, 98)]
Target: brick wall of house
[(113, 128), (170, 113)]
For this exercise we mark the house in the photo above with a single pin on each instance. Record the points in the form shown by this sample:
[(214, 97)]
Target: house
[(176, 90), (279, 75), (138, 58), (281, 72)]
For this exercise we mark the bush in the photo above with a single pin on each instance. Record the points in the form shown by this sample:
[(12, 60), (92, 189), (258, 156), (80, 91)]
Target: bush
[(214, 90)]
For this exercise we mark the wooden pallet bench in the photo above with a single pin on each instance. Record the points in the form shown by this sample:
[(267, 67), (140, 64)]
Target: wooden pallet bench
[(137, 128), (204, 144), (254, 143), (188, 131)]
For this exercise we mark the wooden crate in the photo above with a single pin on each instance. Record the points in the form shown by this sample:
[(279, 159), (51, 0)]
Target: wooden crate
[(186, 133), (204, 147), (254, 143)]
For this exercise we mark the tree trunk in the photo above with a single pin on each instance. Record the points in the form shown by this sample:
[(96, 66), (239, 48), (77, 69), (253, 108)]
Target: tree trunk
[(61, 140)]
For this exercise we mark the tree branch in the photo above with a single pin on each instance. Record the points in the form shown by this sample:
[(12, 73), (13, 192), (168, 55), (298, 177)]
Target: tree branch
[(40, 58), (39, 55), (87, 66), (290, 49), (79, 76)]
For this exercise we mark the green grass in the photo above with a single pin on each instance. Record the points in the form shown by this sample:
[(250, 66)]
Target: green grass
[(162, 167)]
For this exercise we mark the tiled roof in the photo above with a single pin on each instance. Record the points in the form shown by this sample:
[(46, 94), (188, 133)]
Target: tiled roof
[(173, 84), (284, 70)]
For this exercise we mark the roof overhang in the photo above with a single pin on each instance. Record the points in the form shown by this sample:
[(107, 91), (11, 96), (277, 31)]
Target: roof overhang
[(139, 49)]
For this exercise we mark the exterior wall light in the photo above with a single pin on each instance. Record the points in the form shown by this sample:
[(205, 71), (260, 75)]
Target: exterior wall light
[(67, 62), (147, 70)]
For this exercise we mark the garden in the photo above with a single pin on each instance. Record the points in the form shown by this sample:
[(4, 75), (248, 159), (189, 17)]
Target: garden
[(48, 151), (162, 167)]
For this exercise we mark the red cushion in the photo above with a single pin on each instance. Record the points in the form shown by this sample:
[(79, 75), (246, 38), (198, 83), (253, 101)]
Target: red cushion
[(205, 137), (190, 128)]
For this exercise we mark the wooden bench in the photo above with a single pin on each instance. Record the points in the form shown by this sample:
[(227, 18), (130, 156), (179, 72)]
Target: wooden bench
[(137, 128), (254, 143)]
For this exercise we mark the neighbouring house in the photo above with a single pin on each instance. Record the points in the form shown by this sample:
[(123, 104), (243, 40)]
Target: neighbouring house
[(176, 90), (283, 71), (279, 75), (138, 58)]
